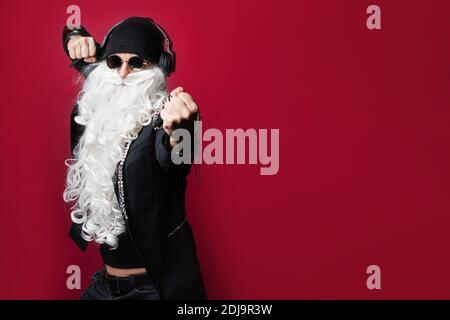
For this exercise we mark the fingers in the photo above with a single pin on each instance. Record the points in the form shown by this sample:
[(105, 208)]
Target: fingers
[(187, 99), (91, 46), (168, 121), (178, 110), (82, 48), (176, 91), (71, 53), (175, 112), (78, 52), (71, 46), (181, 104), (165, 115), (178, 107)]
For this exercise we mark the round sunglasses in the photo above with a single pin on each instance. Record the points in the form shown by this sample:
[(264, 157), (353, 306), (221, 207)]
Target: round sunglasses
[(136, 63)]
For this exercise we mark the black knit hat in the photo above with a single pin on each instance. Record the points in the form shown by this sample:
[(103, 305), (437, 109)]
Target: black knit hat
[(135, 35)]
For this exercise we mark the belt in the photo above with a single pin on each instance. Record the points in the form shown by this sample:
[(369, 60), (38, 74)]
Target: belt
[(123, 285)]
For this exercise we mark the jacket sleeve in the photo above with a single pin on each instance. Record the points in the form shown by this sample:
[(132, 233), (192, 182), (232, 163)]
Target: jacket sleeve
[(78, 64), (155, 208), (163, 152)]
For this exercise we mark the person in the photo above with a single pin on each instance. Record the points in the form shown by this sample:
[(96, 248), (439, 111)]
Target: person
[(127, 193)]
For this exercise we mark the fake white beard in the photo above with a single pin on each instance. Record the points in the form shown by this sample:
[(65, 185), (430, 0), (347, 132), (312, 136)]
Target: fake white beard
[(112, 111)]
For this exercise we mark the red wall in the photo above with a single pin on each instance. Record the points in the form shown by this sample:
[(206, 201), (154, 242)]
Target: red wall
[(364, 145)]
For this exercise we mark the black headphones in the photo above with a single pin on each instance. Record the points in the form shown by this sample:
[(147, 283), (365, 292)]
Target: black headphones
[(166, 59)]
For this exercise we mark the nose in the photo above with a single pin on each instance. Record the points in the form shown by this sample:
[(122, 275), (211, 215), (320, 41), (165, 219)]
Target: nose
[(124, 70)]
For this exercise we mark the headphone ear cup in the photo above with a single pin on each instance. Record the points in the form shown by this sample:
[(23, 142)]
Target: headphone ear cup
[(165, 62)]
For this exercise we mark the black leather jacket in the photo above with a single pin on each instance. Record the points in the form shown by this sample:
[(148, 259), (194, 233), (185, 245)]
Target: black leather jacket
[(154, 189)]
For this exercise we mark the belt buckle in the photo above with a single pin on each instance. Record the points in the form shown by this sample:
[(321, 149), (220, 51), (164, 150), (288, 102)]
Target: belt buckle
[(118, 287), (124, 284), (112, 283)]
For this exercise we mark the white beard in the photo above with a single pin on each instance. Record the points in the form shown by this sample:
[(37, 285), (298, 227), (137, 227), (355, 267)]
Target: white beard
[(113, 112)]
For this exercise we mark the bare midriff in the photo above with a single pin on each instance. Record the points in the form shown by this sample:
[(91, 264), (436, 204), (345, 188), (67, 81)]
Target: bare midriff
[(124, 272)]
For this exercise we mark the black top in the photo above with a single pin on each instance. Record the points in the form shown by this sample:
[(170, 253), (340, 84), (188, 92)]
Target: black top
[(125, 256)]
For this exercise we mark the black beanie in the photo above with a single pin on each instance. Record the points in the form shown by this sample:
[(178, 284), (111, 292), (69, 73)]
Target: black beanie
[(135, 35)]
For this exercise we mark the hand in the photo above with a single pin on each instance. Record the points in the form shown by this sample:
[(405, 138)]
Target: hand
[(82, 48), (178, 112)]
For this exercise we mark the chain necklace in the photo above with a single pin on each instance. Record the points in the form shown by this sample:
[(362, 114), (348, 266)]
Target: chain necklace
[(120, 182)]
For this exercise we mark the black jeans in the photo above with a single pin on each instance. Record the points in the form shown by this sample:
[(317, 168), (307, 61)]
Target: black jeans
[(98, 290)]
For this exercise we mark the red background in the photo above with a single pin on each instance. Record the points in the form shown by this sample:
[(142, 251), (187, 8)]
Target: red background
[(364, 145)]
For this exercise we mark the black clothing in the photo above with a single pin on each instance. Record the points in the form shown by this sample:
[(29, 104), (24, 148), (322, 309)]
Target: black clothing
[(103, 288), (136, 35), (154, 189), (126, 256)]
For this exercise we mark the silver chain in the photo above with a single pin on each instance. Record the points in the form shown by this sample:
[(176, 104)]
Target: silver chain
[(120, 181), (157, 112)]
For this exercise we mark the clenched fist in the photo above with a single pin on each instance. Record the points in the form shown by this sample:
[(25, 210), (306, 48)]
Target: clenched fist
[(178, 112), (82, 48)]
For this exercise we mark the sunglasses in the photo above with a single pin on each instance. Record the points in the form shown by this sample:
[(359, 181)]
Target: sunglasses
[(136, 63)]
